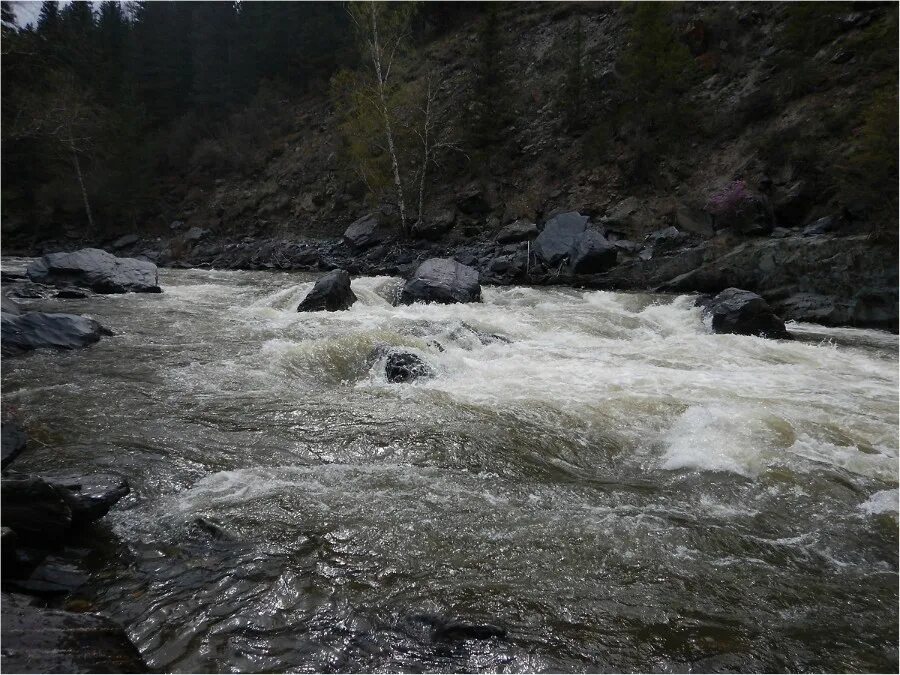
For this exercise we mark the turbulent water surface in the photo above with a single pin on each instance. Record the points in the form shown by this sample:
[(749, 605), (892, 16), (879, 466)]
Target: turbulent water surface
[(613, 484)]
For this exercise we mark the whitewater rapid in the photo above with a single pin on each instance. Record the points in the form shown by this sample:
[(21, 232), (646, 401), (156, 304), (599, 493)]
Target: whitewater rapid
[(598, 472)]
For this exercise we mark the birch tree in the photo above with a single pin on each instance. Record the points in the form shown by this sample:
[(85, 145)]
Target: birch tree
[(65, 115), (382, 29)]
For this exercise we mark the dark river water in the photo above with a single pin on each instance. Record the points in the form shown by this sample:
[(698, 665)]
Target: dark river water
[(616, 486)]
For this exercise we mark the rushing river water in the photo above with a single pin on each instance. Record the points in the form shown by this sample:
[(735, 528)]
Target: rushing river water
[(615, 485)]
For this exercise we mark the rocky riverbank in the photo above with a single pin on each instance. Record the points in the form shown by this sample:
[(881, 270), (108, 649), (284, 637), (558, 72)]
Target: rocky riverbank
[(47, 536), (806, 274)]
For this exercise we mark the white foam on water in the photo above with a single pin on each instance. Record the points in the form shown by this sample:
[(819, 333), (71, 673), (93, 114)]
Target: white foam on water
[(646, 368), (884, 501)]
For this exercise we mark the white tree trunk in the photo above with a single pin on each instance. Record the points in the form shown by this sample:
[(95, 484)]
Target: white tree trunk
[(385, 112), (84, 194)]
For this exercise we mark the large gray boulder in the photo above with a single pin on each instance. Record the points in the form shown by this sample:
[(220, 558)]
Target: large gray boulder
[(332, 292), (744, 313), (36, 330), (98, 270), (593, 254), (560, 237), (365, 232), (442, 280), (39, 640)]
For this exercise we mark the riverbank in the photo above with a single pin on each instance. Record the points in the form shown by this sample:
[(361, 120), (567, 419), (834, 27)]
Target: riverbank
[(805, 275)]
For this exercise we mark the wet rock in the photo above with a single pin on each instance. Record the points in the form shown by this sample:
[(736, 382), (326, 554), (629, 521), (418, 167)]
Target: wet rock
[(332, 292), (36, 510), (593, 254), (89, 497), (365, 232), (123, 242), (462, 630), (560, 237), (857, 286), (55, 575), (442, 280), (98, 270), (744, 313), (12, 440), (38, 640), (8, 305), (71, 294), (520, 230), (36, 330), (453, 630), (405, 367)]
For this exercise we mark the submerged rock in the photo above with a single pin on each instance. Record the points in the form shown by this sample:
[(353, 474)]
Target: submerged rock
[(442, 280), (405, 367), (71, 294), (453, 630), (331, 292), (36, 330), (744, 313), (38, 640), (96, 269)]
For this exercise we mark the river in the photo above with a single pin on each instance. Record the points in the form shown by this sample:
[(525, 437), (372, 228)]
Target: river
[(612, 483)]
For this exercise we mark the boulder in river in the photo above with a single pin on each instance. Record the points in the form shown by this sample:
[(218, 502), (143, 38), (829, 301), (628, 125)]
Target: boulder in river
[(405, 367), (744, 313), (332, 292), (560, 237), (442, 280), (90, 497), (39, 640), (96, 269), (35, 330)]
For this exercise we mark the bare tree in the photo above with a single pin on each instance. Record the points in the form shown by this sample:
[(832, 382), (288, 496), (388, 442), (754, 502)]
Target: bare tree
[(434, 136), (382, 28), (65, 115)]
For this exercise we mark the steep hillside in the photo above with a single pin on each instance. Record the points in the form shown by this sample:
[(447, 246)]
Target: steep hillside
[(757, 111)]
